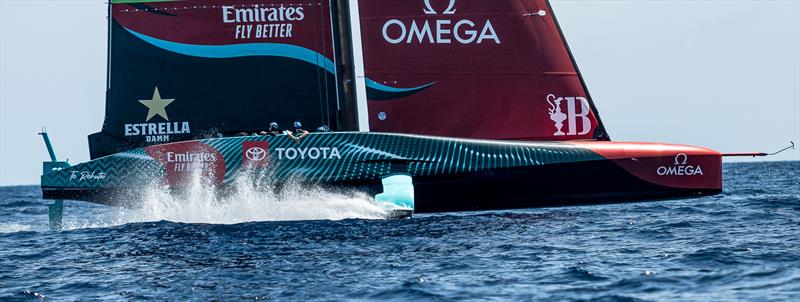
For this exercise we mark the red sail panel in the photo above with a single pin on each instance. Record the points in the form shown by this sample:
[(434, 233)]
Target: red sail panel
[(471, 68)]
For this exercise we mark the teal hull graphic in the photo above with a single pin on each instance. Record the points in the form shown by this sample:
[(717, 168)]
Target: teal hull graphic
[(361, 156), (448, 174)]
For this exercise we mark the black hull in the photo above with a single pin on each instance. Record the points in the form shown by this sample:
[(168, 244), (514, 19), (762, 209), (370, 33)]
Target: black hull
[(586, 183)]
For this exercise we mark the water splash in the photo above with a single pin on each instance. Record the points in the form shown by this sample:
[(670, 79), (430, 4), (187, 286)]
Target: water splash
[(249, 203), (14, 227), (249, 199)]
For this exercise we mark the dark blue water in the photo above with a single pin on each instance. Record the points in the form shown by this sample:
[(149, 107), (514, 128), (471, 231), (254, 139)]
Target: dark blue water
[(741, 245)]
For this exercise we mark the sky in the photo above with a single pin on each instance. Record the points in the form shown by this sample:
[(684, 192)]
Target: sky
[(723, 74)]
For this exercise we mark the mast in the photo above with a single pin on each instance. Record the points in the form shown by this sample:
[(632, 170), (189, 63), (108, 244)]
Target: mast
[(108, 49), (350, 71), (346, 120), (358, 66)]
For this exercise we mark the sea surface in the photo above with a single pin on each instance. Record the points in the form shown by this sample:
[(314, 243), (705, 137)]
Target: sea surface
[(741, 245)]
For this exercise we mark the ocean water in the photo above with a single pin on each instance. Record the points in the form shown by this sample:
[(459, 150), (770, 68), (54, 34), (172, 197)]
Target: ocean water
[(741, 245)]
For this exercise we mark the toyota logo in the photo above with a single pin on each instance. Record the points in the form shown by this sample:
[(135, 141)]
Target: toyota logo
[(256, 154)]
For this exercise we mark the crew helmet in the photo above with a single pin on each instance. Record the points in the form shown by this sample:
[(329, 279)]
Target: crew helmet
[(298, 125), (274, 125)]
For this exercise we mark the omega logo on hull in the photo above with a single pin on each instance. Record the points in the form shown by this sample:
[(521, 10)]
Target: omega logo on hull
[(681, 167)]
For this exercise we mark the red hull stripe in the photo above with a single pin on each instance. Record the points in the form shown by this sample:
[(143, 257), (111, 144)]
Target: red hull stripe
[(675, 166)]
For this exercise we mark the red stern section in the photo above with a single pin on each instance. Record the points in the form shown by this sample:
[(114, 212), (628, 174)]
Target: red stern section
[(675, 166)]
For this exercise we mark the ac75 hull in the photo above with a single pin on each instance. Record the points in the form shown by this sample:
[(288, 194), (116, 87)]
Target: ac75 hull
[(448, 174)]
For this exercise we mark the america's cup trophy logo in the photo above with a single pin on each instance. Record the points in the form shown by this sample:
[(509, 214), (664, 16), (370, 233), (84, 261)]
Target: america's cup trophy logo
[(556, 115)]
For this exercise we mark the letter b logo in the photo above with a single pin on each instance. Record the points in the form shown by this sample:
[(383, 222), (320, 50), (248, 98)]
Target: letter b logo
[(574, 115), (578, 110)]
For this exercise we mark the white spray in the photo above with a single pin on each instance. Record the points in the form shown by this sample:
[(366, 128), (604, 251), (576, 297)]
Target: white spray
[(249, 199)]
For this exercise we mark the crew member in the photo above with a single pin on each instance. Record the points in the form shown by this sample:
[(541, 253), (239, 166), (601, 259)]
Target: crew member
[(324, 128), (274, 130), (299, 133)]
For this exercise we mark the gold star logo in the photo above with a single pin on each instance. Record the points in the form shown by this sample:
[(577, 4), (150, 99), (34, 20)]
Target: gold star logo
[(156, 106)]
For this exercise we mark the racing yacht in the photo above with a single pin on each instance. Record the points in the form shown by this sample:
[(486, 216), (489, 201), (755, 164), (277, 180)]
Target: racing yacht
[(450, 105)]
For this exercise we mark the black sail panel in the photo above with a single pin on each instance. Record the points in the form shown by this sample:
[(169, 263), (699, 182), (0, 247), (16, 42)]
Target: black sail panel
[(188, 69)]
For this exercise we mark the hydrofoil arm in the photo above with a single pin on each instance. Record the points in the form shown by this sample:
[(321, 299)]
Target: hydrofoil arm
[(398, 195), (55, 210)]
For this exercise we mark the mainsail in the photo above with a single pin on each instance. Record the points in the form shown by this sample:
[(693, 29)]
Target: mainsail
[(186, 69), (497, 69)]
